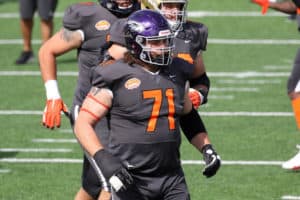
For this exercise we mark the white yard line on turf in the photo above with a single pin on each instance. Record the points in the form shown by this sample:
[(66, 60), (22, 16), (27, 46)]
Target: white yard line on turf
[(4, 171), (14, 15), (280, 67), (20, 73), (52, 140), (290, 197), (184, 162), (65, 130), (35, 73), (246, 74), (34, 150), (224, 97), (211, 74), (215, 114), (233, 14), (210, 41), (254, 82), (248, 114), (254, 41), (228, 89)]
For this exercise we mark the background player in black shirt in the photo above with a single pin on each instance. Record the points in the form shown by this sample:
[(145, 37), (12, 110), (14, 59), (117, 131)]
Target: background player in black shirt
[(27, 9)]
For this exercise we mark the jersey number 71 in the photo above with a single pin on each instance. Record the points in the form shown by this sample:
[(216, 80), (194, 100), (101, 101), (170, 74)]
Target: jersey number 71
[(158, 96)]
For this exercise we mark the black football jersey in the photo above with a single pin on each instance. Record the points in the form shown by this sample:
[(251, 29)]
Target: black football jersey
[(145, 112), (95, 22)]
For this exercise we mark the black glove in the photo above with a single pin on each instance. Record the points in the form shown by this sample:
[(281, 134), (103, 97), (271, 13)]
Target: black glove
[(113, 170), (212, 161)]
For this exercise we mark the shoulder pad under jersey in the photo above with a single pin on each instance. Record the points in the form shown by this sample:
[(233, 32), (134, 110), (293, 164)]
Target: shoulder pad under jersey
[(116, 32), (104, 76), (197, 33), (74, 16)]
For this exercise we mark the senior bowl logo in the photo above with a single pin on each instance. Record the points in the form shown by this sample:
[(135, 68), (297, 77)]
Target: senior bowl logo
[(102, 25), (132, 83)]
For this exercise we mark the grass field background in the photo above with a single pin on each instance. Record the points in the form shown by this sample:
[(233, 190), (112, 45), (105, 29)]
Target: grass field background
[(248, 115)]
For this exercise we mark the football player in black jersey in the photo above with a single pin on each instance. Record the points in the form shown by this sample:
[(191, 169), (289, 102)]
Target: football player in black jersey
[(145, 95), (190, 41), (293, 84), (85, 29)]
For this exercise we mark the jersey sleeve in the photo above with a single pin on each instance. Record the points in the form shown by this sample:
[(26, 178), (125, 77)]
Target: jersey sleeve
[(197, 33), (180, 66), (76, 14)]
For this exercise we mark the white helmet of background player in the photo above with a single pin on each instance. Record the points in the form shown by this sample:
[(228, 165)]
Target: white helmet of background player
[(173, 10)]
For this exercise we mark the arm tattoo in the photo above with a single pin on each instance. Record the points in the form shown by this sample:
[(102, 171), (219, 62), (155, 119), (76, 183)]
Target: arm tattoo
[(95, 90), (68, 35)]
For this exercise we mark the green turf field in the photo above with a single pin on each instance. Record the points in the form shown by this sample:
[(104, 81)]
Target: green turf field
[(248, 115)]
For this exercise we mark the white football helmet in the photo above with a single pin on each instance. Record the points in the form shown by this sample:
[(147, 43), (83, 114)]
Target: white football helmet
[(175, 17)]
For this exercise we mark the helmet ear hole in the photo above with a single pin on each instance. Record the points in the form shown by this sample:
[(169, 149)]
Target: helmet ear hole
[(110, 5)]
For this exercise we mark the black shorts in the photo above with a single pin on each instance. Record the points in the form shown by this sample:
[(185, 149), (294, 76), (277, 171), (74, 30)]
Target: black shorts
[(90, 181), (46, 8), (171, 186)]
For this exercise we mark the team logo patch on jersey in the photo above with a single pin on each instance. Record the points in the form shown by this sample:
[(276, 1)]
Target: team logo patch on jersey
[(132, 83), (86, 3), (102, 25)]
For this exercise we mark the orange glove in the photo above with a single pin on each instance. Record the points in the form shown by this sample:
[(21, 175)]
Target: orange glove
[(264, 5), (195, 97), (52, 113)]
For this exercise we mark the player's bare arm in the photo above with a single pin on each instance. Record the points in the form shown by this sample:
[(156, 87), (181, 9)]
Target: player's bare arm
[(117, 51), (199, 71), (287, 7), (198, 137), (94, 107), (199, 66), (60, 43)]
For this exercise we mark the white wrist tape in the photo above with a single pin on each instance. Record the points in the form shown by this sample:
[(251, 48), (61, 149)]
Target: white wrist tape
[(116, 183), (273, 1), (52, 91)]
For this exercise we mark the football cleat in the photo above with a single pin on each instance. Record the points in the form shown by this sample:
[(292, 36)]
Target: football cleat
[(25, 57), (293, 163)]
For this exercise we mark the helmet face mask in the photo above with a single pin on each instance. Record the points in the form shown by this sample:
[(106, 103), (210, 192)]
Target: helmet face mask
[(156, 50), (175, 13), (121, 8), (173, 10), (149, 37)]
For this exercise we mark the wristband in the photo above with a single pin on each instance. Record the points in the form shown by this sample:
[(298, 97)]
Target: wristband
[(52, 91)]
